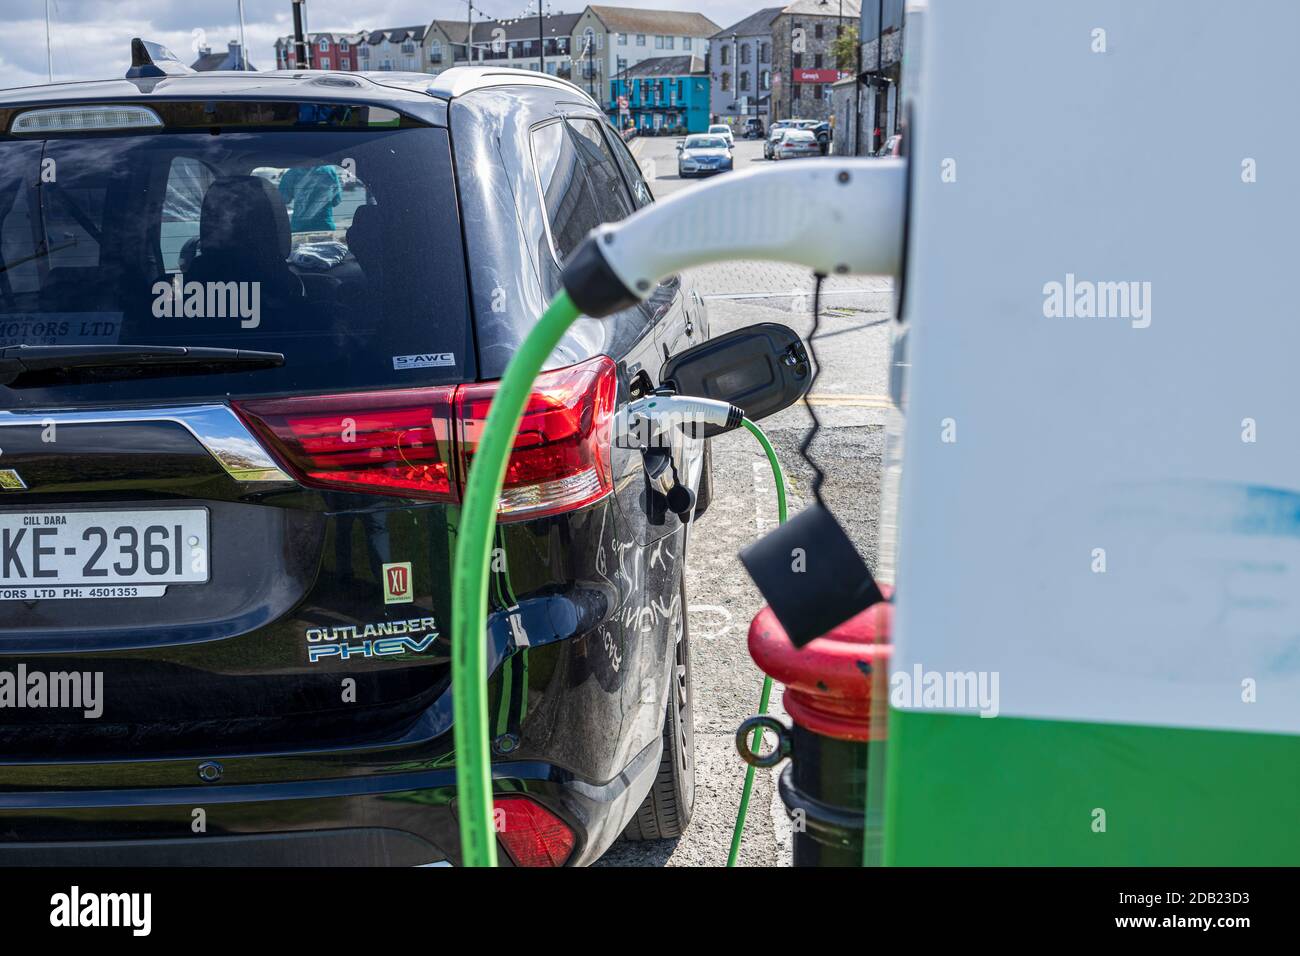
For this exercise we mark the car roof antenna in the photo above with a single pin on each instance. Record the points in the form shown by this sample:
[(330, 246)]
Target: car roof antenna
[(150, 60)]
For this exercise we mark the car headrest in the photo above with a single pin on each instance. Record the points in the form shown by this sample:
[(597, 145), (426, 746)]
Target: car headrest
[(366, 239), (244, 216)]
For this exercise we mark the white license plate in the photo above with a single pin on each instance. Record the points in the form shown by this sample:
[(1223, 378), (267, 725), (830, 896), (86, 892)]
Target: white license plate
[(86, 554)]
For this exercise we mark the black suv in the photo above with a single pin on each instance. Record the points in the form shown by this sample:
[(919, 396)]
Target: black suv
[(249, 331)]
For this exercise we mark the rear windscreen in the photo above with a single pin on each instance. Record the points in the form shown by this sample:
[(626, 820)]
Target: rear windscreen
[(340, 249)]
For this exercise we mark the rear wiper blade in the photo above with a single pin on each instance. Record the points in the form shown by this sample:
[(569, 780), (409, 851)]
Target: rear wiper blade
[(19, 361)]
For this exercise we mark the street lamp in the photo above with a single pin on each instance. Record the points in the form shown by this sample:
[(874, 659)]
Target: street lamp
[(735, 66)]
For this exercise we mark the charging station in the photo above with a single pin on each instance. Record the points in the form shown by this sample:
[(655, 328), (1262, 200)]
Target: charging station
[(1097, 538)]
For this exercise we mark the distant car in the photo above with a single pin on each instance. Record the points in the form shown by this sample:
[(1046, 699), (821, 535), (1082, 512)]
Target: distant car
[(796, 143), (823, 133), (753, 128), (703, 155), (723, 130), (891, 147), (774, 134)]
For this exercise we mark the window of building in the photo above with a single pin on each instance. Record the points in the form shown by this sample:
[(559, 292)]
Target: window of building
[(817, 30), (435, 52), (765, 78), (744, 53), (622, 39), (640, 39), (765, 53), (408, 47), (668, 42), (324, 46), (686, 43), (796, 60), (725, 56), (743, 79), (726, 81), (817, 61), (659, 43), (343, 46), (797, 90)]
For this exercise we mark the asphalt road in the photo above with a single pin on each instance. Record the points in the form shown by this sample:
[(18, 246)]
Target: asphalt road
[(849, 396)]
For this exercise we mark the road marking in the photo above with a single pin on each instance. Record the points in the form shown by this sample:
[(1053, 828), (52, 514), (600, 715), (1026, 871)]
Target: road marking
[(849, 401), (793, 295)]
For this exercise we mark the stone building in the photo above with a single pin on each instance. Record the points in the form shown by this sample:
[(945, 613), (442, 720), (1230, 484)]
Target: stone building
[(740, 68), (803, 64)]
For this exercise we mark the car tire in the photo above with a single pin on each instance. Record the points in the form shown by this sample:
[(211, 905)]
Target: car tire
[(666, 810)]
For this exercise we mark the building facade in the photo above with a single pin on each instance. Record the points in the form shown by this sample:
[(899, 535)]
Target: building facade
[(609, 40), (443, 45), (661, 93), (881, 34), (526, 44), (587, 48), (395, 49), (325, 51), (740, 68), (804, 66), (231, 58)]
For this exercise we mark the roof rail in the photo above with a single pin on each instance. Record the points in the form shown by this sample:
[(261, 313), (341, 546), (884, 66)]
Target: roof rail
[(460, 80)]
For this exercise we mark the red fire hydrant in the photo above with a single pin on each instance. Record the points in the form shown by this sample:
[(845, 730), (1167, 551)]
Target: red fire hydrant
[(837, 698)]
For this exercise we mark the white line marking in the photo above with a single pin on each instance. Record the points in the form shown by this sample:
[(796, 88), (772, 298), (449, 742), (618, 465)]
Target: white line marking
[(792, 295)]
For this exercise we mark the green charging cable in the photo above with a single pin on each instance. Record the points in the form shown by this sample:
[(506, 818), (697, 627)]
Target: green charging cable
[(469, 608), (779, 477)]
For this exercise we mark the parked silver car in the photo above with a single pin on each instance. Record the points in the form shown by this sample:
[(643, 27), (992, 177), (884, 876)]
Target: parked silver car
[(796, 143)]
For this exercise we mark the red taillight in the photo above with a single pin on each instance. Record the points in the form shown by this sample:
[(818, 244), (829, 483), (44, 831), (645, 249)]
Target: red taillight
[(561, 455), (531, 834), (397, 442), (419, 442)]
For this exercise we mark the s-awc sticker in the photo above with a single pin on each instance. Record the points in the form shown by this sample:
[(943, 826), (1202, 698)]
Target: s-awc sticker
[(426, 360)]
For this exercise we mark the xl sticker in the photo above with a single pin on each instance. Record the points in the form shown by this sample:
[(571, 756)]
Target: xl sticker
[(397, 583), (428, 360)]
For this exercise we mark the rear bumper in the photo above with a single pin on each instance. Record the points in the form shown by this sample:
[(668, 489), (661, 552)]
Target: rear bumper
[(395, 814)]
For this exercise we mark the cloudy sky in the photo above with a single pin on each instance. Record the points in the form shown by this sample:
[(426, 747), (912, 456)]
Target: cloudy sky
[(92, 38)]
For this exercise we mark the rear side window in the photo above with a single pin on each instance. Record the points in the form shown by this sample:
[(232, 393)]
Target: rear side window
[(602, 171), (641, 195), (340, 248), (579, 180)]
